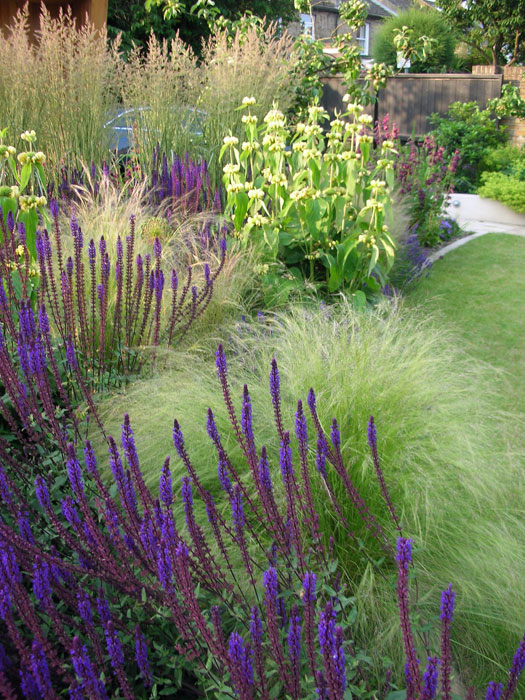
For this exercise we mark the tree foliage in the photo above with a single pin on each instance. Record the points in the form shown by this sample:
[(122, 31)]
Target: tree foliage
[(136, 19), (421, 23), (496, 28)]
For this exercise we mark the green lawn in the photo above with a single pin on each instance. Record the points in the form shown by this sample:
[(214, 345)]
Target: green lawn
[(479, 291)]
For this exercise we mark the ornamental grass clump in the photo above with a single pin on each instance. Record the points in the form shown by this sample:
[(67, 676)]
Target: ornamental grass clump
[(451, 474), (313, 203), (82, 606)]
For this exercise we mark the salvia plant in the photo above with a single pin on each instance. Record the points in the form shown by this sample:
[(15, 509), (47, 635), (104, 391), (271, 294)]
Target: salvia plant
[(247, 581), (314, 202), (109, 304), (176, 185), (425, 177)]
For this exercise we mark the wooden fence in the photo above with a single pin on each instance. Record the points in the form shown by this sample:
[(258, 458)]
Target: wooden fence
[(410, 98)]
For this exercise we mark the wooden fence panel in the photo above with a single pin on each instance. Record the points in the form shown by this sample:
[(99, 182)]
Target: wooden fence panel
[(410, 98)]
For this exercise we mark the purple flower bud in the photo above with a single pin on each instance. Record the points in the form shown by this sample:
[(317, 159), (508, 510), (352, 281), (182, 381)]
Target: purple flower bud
[(178, 439), (174, 280), (84, 607), (40, 669), (241, 663), (309, 583), (404, 552), (103, 607), (335, 435), (326, 629), (372, 433), (285, 456), (164, 569), (41, 583), (69, 512), (255, 627), (246, 416), (270, 583), (70, 354), (311, 401), (320, 459), (43, 320), (237, 509), (165, 490), (301, 428), (494, 691), (147, 537), (92, 253), (10, 221), (53, 207), (25, 527), (224, 477), (28, 685), (430, 678), (264, 471), (212, 428), (89, 458), (141, 655), (74, 472), (275, 385), (187, 496), (113, 646), (220, 362), (42, 493), (447, 600), (157, 248)]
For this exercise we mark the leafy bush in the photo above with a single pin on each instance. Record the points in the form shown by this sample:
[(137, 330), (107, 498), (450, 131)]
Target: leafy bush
[(472, 132), (507, 189), (504, 178), (321, 212), (454, 486), (439, 57)]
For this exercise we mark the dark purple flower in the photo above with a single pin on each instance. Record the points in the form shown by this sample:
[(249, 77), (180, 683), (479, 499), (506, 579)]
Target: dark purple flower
[(237, 509), (164, 568), (335, 435), (165, 490), (447, 603), (70, 354), (74, 472), (41, 583), (285, 457), (241, 665), (320, 459), (222, 470), (430, 678), (309, 583), (372, 433), (246, 416), (40, 669), (404, 553), (141, 655), (42, 493), (494, 691)]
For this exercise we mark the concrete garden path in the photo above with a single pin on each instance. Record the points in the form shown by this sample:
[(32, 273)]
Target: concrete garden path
[(478, 216)]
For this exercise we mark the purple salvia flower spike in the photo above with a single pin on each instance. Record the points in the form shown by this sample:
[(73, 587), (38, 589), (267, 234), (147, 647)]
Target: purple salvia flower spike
[(141, 656), (494, 691), (40, 669), (430, 678), (165, 489)]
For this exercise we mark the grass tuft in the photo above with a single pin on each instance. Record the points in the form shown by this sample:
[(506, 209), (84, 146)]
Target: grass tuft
[(439, 443)]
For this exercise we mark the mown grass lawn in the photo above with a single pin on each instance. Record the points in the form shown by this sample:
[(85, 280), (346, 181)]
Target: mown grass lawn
[(479, 291)]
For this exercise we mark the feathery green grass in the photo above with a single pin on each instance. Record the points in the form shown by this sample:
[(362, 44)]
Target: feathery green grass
[(439, 442)]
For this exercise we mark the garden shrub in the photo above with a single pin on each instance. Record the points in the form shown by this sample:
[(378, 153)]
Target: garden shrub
[(472, 132), (507, 189), (422, 22), (438, 439), (322, 212), (504, 177)]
